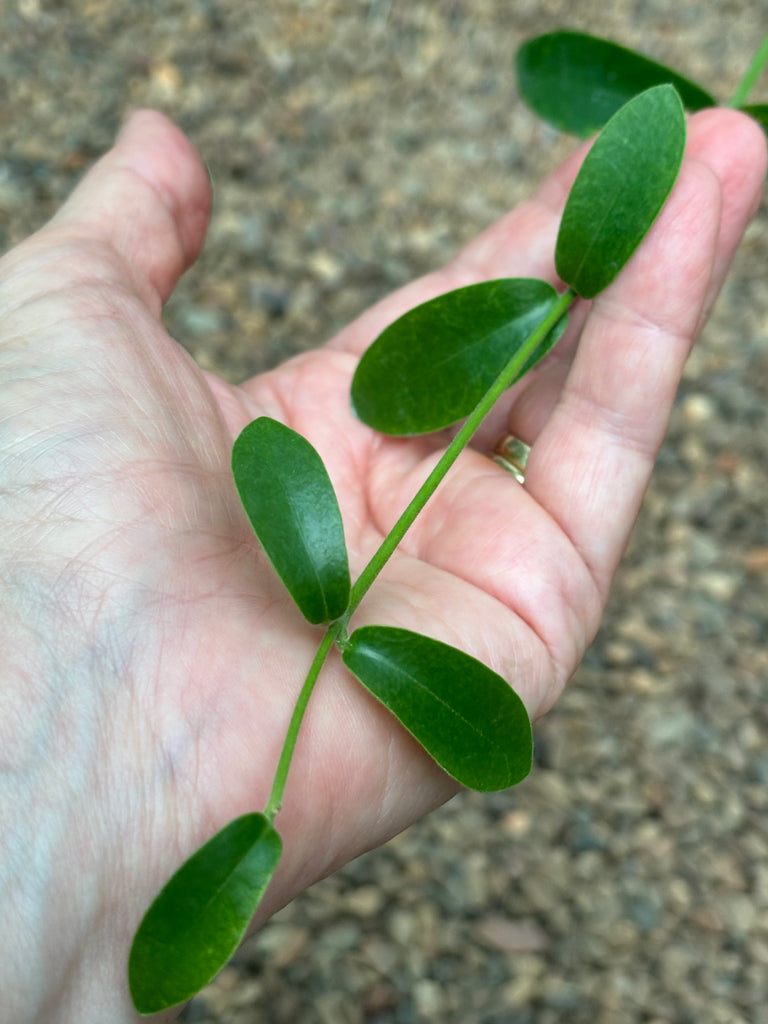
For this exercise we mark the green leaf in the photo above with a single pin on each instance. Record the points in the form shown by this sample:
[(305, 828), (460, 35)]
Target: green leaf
[(620, 189), (577, 82), (759, 111), (199, 918), (289, 499), (431, 367), (464, 715)]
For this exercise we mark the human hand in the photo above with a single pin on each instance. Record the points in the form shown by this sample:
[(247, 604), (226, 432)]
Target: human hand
[(151, 657)]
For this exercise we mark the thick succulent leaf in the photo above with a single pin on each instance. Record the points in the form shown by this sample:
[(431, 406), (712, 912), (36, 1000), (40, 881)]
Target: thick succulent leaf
[(620, 189), (432, 366), (464, 715), (289, 499), (200, 916), (577, 82), (759, 111)]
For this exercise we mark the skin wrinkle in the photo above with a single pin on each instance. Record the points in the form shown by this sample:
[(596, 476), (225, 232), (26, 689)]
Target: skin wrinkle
[(587, 414), (613, 315), (17, 300), (57, 441), (559, 661), (171, 268), (66, 726), (89, 296), (107, 646), (152, 292), (166, 729), (388, 787), (427, 543), (400, 613), (187, 220), (82, 832), (600, 583), (131, 398), (359, 530)]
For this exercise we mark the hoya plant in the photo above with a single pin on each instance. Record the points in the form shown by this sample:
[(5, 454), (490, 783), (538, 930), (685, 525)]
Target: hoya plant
[(442, 364)]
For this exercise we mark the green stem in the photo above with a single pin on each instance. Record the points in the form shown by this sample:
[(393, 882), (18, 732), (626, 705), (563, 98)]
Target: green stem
[(751, 75), (286, 754), (337, 631), (454, 449)]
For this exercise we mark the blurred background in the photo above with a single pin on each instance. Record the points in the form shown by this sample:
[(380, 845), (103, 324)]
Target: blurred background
[(354, 144)]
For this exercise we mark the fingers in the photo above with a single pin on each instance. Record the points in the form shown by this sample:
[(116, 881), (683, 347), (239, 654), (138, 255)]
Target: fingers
[(548, 551), (592, 460), (739, 162), (148, 199)]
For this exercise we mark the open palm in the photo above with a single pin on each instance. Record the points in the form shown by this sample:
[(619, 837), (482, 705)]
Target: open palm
[(153, 657)]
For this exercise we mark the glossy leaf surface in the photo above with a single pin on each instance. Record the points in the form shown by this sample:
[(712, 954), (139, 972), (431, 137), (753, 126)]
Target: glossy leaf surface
[(199, 918), (433, 365), (577, 82), (620, 189), (464, 715), (289, 499)]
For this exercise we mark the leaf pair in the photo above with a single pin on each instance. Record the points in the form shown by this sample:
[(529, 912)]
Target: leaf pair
[(429, 368), (467, 717)]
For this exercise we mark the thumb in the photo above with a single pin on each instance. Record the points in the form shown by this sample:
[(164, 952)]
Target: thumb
[(149, 199)]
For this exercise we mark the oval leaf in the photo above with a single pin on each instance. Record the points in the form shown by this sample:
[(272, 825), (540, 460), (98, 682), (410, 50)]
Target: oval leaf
[(577, 82), (431, 367), (199, 918), (289, 499), (620, 189), (464, 715)]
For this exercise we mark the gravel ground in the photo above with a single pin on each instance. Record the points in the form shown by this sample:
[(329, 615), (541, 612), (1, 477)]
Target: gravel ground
[(354, 145)]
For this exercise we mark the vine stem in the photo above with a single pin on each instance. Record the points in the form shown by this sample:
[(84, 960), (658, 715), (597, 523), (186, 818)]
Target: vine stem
[(337, 631), (751, 75), (286, 754)]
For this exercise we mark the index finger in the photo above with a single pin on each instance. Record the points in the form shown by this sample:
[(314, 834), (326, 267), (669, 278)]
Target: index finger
[(590, 465)]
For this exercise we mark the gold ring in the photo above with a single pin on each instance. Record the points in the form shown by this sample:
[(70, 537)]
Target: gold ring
[(512, 454)]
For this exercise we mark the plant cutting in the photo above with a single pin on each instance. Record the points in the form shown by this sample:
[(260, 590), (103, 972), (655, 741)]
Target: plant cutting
[(443, 364)]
